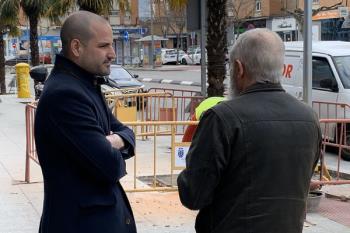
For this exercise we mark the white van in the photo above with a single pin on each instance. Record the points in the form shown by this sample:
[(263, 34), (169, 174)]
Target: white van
[(330, 78)]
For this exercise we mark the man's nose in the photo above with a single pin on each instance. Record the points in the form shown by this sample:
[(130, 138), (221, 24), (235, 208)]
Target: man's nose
[(111, 54)]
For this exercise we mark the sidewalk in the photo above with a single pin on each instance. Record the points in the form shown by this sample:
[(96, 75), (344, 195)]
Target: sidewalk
[(161, 212), (164, 68)]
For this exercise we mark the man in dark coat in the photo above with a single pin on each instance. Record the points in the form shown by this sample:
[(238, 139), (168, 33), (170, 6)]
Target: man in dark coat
[(81, 146), (249, 167)]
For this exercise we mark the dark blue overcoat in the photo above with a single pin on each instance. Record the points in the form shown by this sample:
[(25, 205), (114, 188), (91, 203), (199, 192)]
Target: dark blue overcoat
[(81, 170)]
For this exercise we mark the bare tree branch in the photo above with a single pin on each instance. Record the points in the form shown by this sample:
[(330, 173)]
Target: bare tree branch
[(326, 8), (299, 13)]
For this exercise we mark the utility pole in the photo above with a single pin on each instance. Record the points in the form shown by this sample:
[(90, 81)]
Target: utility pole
[(203, 57), (307, 69), (152, 37)]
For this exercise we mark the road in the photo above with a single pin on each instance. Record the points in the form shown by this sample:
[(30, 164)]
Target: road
[(191, 73)]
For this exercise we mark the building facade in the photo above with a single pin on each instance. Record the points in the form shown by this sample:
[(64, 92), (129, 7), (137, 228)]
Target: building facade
[(127, 30), (331, 24), (285, 17), (130, 26)]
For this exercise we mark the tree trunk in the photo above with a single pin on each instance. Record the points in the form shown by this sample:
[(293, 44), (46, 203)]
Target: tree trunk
[(2, 65), (216, 44), (34, 48)]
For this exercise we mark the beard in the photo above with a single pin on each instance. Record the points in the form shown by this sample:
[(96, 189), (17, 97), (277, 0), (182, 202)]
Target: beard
[(233, 92)]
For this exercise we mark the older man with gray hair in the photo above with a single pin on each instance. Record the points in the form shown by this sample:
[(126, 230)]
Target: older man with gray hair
[(249, 167)]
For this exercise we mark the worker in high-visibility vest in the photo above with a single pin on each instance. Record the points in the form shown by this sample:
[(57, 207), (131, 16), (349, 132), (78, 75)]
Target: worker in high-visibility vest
[(201, 108)]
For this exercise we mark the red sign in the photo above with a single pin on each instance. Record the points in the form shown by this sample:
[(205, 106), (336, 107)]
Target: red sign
[(14, 45), (287, 70)]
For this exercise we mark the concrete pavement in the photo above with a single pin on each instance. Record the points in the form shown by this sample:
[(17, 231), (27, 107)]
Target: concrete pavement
[(21, 204)]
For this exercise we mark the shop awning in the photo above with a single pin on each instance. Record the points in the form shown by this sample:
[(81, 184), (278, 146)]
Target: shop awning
[(330, 14)]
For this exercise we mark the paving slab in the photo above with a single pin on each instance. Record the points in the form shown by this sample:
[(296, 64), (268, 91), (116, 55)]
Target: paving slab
[(316, 223), (338, 191)]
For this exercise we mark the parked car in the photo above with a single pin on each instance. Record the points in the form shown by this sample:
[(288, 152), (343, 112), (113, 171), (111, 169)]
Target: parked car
[(17, 59), (43, 59), (192, 57), (170, 56), (120, 78)]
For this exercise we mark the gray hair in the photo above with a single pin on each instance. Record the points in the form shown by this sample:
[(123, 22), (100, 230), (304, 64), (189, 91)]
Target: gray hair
[(261, 51)]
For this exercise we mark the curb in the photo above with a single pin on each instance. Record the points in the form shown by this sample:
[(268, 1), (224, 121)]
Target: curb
[(168, 81), (337, 197), (342, 175), (158, 69)]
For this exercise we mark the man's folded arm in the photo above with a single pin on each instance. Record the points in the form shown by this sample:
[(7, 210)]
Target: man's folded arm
[(77, 128), (126, 134)]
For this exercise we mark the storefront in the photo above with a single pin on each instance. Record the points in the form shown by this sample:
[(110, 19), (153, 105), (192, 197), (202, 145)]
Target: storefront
[(332, 24), (49, 45), (286, 27), (128, 50)]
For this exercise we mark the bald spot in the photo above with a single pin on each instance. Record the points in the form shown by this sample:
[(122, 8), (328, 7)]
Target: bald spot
[(79, 26)]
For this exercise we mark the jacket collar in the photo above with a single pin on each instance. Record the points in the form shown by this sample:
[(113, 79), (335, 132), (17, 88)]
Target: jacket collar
[(259, 87), (67, 66)]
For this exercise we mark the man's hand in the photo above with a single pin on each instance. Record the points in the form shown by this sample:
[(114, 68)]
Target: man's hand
[(314, 186), (116, 141)]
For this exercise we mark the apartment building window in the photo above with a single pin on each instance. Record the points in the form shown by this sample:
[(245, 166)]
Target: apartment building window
[(258, 5), (127, 18)]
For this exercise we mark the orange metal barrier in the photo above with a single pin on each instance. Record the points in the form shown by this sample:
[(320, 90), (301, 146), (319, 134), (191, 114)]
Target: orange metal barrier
[(30, 142), (174, 92), (340, 142), (330, 110), (187, 100), (155, 129), (142, 106), (159, 162), (156, 106)]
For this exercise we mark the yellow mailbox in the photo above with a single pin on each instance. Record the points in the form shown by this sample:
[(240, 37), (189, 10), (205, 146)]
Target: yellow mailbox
[(22, 77)]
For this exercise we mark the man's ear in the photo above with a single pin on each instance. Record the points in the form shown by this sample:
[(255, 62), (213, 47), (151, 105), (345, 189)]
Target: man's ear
[(75, 47), (239, 68)]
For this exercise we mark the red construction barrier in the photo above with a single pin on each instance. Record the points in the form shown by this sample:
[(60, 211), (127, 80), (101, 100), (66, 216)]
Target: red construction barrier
[(340, 141), (30, 142)]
